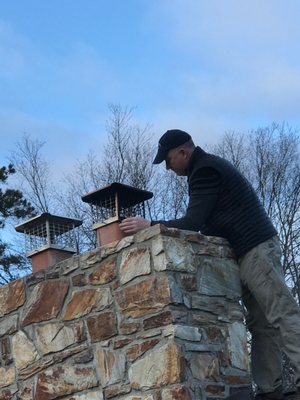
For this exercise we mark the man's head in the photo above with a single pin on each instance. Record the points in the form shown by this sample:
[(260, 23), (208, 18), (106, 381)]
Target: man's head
[(175, 147)]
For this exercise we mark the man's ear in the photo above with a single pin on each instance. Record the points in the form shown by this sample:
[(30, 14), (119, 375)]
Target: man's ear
[(184, 152)]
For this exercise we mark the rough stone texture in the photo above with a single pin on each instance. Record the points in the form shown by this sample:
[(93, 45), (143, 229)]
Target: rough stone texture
[(6, 355), (237, 346), (45, 301), (25, 391), (7, 376), (102, 326), (90, 259), (8, 325), (141, 397), (95, 395), (63, 380), (160, 367), (173, 254), (84, 301), (214, 275), (56, 336), (111, 366), (155, 316), (134, 262), (205, 367), (190, 333), (161, 319), (8, 393), (176, 393), (104, 273), (138, 349), (12, 296), (145, 297), (23, 350)]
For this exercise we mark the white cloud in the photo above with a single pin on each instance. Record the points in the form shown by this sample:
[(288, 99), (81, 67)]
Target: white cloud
[(240, 60)]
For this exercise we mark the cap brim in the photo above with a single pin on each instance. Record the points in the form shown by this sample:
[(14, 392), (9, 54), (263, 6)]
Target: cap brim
[(160, 156)]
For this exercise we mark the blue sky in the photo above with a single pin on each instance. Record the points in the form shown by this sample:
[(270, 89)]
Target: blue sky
[(203, 66)]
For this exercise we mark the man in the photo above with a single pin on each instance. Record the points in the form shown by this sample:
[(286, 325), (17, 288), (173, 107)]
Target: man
[(223, 203)]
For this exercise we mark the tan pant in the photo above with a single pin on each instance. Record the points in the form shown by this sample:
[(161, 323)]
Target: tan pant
[(273, 315)]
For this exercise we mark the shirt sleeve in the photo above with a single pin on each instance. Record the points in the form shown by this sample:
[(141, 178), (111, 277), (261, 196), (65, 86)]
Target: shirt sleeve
[(204, 188)]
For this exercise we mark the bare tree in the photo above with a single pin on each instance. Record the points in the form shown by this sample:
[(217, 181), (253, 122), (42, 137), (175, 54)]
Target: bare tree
[(119, 132), (277, 167), (271, 162), (233, 147), (34, 172)]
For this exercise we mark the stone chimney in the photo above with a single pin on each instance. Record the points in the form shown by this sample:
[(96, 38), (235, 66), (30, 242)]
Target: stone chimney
[(155, 316), (111, 204), (49, 239)]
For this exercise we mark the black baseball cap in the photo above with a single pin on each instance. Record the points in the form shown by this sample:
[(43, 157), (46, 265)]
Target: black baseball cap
[(170, 140)]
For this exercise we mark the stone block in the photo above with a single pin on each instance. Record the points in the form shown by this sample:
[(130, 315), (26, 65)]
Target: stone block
[(55, 337), (6, 355), (173, 254), (84, 301), (23, 350), (9, 393), (237, 346), (45, 301), (153, 231), (102, 326), (176, 393), (34, 368), (8, 325), (63, 380), (145, 297), (12, 296), (218, 277), (161, 319), (127, 328), (162, 366), (79, 280), (215, 390), (116, 390), (111, 366), (134, 262), (7, 376), (90, 258), (95, 395), (148, 396), (138, 349), (26, 390), (69, 265), (105, 272), (205, 366), (190, 333)]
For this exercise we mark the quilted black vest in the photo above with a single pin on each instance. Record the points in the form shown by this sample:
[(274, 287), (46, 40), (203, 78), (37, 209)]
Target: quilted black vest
[(238, 214)]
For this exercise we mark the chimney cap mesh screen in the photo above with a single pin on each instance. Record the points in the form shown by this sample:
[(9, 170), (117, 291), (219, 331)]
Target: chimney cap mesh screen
[(117, 201), (49, 231)]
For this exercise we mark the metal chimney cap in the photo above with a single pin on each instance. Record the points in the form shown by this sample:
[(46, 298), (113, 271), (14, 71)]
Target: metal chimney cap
[(128, 195), (42, 218)]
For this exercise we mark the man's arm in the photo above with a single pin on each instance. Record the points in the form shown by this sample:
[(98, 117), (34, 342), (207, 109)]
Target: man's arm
[(204, 188)]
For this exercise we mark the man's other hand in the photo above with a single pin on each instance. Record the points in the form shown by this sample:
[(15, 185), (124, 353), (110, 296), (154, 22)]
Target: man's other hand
[(132, 225)]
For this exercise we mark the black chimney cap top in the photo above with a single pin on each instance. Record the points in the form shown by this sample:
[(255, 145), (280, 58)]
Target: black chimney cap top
[(127, 195)]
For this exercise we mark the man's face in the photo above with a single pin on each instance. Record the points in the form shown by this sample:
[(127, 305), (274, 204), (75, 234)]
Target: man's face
[(176, 161)]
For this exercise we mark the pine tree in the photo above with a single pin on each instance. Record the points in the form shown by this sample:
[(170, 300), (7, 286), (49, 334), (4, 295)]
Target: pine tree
[(12, 206)]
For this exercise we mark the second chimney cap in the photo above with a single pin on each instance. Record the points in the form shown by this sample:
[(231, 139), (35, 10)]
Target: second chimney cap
[(42, 218), (129, 196)]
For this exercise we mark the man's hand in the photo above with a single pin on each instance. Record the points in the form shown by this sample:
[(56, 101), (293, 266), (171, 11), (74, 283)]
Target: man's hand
[(132, 225)]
